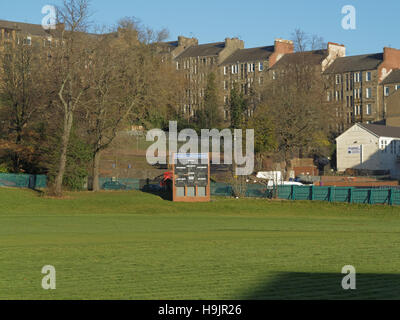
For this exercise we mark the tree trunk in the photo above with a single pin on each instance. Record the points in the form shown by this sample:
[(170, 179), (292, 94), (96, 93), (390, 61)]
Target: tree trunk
[(15, 156), (96, 165), (68, 120), (287, 166)]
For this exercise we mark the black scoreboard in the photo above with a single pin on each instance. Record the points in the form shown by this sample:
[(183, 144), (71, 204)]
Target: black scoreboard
[(191, 174)]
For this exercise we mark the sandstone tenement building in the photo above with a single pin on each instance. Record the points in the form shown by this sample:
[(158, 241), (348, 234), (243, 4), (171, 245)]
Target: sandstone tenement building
[(28, 33), (356, 82), (361, 88), (391, 98), (229, 60)]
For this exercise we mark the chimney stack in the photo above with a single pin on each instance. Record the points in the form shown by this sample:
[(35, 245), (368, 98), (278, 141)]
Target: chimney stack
[(391, 60), (187, 42), (335, 50), (281, 47)]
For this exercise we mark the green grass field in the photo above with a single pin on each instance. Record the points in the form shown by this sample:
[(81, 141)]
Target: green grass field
[(133, 245)]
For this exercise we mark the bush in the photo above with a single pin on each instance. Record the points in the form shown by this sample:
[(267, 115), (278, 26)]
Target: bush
[(239, 186)]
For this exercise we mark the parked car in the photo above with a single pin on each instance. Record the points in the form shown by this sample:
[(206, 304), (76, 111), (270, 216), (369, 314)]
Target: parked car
[(152, 188), (114, 185), (271, 184)]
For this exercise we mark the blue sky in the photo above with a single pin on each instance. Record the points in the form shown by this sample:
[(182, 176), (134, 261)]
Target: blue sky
[(257, 22)]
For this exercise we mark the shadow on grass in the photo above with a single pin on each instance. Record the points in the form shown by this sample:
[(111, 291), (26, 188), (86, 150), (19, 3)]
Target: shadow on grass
[(325, 286), (39, 192), (163, 194)]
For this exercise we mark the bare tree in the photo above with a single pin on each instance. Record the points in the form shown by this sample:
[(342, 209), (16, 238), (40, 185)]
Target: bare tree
[(128, 81), (68, 64), (303, 41), (295, 99), (20, 97), (144, 34)]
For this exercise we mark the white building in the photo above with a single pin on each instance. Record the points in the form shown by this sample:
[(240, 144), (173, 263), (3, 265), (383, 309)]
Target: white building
[(370, 147)]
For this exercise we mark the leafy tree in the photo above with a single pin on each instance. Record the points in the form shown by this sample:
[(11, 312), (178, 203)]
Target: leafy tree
[(209, 115), (237, 107)]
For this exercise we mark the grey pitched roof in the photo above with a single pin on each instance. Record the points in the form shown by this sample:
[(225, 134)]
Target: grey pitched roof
[(172, 44), (166, 47), (203, 50), (381, 130), (25, 28), (314, 57), (249, 55), (393, 77), (356, 63)]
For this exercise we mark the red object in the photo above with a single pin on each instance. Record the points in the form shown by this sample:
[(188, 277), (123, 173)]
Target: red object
[(167, 176)]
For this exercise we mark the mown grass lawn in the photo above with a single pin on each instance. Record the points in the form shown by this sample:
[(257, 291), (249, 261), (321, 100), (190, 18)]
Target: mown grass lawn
[(133, 245)]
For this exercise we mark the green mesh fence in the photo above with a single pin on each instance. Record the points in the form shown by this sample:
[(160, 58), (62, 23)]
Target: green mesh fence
[(23, 181), (220, 189), (389, 195), (395, 197), (341, 194), (285, 192), (258, 191)]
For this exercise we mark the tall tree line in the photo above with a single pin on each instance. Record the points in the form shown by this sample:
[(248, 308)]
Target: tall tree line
[(61, 106)]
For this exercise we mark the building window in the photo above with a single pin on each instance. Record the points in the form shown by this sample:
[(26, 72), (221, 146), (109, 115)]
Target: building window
[(251, 67), (368, 93), (357, 93), (368, 76), (338, 78), (226, 85), (386, 90), (260, 66), (225, 70), (397, 87), (177, 66), (235, 68), (357, 77), (29, 41), (369, 109), (226, 99), (273, 75), (328, 97)]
